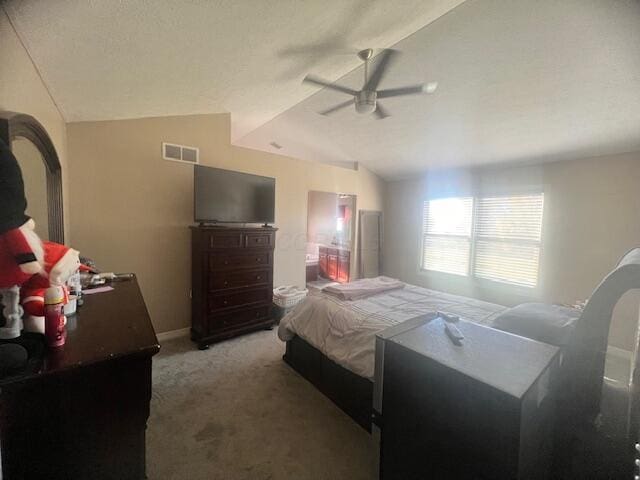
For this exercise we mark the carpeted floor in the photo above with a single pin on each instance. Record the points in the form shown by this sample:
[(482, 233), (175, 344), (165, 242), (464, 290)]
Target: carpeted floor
[(237, 411)]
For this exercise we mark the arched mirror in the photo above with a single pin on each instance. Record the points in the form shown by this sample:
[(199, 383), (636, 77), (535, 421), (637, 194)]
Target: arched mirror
[(41, 172)]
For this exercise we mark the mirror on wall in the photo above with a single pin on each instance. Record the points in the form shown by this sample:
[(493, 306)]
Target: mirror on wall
[(41, 172), (330, 219), (34, 175), (345, 219)]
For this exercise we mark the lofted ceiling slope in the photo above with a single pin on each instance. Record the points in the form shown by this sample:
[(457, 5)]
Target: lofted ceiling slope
[(105, 60), (519, 81)]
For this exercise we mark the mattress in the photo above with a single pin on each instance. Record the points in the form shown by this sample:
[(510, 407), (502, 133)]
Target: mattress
[(345, 330)]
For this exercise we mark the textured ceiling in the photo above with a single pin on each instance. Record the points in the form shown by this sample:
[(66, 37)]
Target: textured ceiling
[(108, 59), (518, 81)]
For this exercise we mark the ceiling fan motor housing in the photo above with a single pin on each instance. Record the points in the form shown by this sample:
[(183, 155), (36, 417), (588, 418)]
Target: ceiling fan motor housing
[(366, 101)]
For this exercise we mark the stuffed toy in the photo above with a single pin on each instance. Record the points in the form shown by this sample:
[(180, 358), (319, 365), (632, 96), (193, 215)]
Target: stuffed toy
[(21, 253), (60, 262)]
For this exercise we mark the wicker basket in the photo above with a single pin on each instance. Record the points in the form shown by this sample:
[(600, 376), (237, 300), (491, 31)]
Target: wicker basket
[(288, 296)]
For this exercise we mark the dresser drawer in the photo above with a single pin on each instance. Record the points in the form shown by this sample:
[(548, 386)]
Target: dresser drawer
[(225, 240), (240, 260), (253, 240), (239, 278), (238, 318), (237, 299)]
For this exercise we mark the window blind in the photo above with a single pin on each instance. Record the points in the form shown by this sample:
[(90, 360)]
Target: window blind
[(447, 227), (497, 238), (508, 233)]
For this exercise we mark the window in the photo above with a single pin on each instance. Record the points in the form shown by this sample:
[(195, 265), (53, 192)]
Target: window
[(447, 235), (496, 238)]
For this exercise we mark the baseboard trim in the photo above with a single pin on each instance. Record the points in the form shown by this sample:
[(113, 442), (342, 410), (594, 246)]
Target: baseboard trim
[(172, 334)]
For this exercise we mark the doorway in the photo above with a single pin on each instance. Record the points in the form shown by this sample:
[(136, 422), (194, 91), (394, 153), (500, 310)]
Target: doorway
[(370, 244), (330, 238)]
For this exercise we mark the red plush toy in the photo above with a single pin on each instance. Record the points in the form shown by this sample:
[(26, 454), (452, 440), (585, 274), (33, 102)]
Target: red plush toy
[(20, 255), (20, 248), (60, 263)]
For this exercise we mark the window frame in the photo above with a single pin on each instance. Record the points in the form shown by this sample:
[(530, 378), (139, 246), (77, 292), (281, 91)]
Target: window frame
[(469, 237), (471, 275)]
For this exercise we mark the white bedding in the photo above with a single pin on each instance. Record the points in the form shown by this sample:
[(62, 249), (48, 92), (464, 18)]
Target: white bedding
[(345, 330)]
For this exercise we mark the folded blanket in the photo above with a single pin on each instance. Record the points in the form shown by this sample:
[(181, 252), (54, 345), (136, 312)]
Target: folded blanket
[(363, 288)]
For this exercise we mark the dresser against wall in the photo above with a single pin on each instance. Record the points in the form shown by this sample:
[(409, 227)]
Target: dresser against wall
[(232, 281)]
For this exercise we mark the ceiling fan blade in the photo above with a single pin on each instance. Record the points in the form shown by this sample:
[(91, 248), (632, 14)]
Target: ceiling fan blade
[(325, 83), (396, 92), (337, 107), (337, 47), (380, 111), (383, 63)]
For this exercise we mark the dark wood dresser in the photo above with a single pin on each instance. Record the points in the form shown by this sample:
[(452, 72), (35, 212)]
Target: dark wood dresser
[(81, 411), (334, 263), (232, 281)]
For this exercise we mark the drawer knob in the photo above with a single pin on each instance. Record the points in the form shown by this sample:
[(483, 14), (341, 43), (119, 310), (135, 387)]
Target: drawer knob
[(637, 462), (226, 262), (638, 447), (225, 302), (258, 259), (226, 283), (258, 277)]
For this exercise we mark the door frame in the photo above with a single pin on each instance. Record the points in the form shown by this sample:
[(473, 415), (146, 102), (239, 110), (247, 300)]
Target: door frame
[(380, 240)]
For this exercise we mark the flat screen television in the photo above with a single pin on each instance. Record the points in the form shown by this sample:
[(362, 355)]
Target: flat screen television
[(226, 196)]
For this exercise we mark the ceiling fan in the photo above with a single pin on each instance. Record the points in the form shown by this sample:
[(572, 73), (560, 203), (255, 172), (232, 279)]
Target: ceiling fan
[(366, 100)]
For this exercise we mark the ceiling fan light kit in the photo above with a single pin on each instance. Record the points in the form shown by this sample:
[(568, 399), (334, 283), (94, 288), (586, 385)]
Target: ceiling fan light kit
[(366, 99)]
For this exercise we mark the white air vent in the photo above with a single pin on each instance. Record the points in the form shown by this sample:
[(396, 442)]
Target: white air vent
[(180, 153)]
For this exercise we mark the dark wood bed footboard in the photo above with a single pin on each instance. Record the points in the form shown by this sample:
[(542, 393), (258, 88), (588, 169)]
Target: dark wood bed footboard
[(351, 392)]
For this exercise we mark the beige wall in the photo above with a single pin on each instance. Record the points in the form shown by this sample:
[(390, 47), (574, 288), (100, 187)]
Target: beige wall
[(22, 90), (591, 218), (131, 209)]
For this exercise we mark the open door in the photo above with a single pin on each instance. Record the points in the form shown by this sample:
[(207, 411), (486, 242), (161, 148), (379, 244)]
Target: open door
[(370, 243)]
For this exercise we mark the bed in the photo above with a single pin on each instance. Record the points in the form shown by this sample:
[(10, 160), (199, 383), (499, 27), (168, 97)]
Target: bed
[(331, 341)]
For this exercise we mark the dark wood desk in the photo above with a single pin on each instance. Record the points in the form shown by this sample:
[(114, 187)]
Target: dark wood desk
[(82, 413)]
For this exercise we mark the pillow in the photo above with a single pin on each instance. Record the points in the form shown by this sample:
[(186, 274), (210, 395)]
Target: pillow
[(552, 324)]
